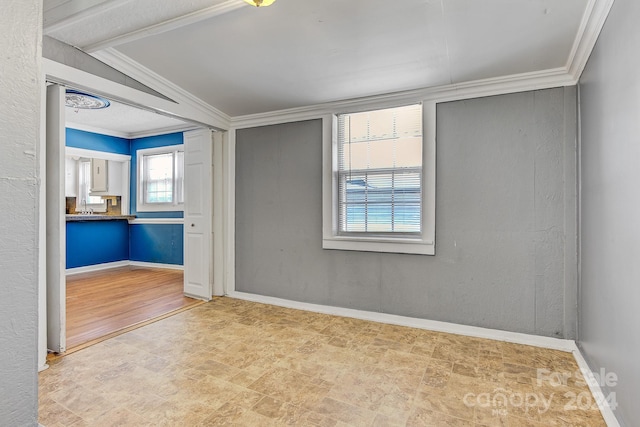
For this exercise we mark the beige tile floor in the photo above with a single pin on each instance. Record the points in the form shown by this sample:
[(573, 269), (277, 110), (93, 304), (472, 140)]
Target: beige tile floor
[(232, 362)]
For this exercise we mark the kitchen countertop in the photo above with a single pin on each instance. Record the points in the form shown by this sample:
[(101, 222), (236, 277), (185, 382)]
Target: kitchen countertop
[(97, 217)]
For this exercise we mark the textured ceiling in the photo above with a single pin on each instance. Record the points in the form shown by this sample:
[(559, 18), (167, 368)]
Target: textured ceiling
[(121, 120), (244, 60)]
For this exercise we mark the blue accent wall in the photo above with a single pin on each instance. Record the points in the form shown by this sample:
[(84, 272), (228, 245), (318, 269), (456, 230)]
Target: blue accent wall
[(96, 242), (158, 243), (96, 141), (140, 144)]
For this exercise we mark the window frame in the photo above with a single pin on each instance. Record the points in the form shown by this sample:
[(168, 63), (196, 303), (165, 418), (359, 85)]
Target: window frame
[(422, 244), (141, 204)]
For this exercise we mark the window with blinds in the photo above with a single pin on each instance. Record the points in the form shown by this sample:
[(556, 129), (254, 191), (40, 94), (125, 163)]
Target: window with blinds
[(380, 172)]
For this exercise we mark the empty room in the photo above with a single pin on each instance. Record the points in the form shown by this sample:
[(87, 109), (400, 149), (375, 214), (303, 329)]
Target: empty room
[(373, 213)]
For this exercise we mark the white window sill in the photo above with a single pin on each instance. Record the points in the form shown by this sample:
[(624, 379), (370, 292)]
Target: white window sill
[(364, 244)]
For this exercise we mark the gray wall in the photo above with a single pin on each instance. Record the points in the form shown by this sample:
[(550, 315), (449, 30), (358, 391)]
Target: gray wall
[(505, 221), (609, 307), (20, 81)]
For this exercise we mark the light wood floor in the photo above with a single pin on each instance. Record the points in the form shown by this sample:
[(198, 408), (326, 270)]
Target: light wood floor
[(237, 363), (103, 302)]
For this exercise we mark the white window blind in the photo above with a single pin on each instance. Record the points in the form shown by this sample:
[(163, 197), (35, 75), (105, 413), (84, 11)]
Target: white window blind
[(380, 172)]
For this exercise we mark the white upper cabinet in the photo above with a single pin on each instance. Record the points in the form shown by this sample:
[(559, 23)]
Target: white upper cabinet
[(106, 177), (99, 176)]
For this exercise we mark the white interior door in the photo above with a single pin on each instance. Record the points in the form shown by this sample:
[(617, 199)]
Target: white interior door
[(198, 214), (55, 220)]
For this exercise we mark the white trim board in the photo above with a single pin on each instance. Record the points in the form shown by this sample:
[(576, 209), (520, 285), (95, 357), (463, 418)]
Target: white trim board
[(592, 22), (184, 109), (83, 152), (94, 129), (596, 390), (432, 325), (164, 26), (546, 79), (132, 135), (96, 267), (590, 27), (117, 264), (156, 265), (157, 221), (58, 18), (216, 118)]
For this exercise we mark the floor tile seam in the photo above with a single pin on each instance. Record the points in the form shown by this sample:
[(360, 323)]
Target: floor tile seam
[(74, 413), (68, 410)]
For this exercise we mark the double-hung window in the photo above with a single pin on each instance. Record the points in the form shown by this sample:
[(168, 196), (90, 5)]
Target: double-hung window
[(161, 179), (382, 179)]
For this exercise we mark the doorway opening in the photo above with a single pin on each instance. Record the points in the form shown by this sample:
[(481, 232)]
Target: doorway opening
[(118, 265), (105, 303)]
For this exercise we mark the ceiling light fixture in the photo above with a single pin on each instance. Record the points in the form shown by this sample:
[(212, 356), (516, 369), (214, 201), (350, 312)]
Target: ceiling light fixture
[(84, 101), (259, 3)]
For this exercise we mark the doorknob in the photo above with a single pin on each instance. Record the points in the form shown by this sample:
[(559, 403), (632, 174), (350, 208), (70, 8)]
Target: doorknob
[(193, 225)]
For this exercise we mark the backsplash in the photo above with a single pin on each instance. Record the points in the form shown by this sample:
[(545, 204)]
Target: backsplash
[(112, 209)]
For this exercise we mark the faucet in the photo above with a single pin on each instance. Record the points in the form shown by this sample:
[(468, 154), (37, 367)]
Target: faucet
[(85, 211)]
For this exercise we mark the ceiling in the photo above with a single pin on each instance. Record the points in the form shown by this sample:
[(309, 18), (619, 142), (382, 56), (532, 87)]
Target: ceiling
[(244, 60), (123, 121)]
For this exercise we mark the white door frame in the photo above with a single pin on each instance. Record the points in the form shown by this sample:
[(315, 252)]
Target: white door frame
[(68, 76), (55, 233)]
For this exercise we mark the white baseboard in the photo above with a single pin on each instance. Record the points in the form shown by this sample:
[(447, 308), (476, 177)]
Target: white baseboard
[(596, 390), (108, 265), (96, 267), (156, 265), (433, 325)]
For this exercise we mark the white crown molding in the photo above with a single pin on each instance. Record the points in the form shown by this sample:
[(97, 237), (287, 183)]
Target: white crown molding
[(475, 89), (131, 135), (158, 83), (592, 22), (168, 25), (95, 129), (162, 131)]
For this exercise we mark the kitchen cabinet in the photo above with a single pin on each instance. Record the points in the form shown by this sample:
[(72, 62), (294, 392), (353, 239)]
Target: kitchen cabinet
[(99, 176), (106, 177)]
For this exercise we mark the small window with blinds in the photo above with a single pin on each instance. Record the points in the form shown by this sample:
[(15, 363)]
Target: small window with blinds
[(379, 175)]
